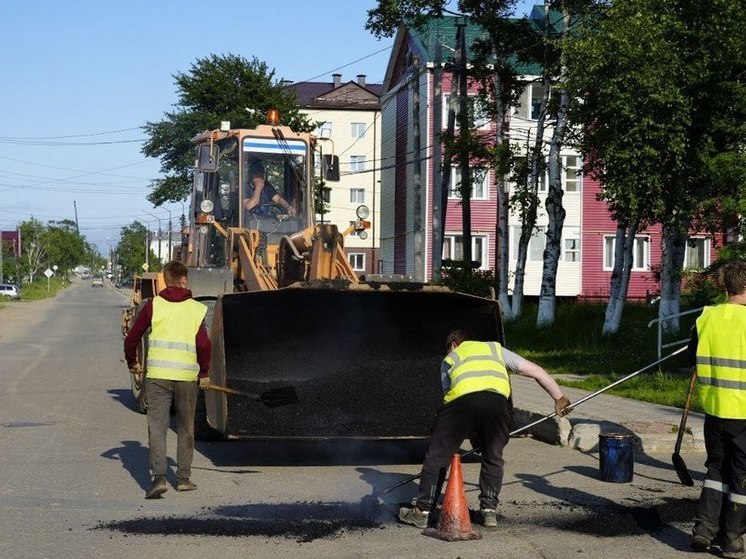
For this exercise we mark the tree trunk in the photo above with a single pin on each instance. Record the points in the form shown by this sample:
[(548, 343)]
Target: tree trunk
[(620, 276), (556, 213), (674, 247)]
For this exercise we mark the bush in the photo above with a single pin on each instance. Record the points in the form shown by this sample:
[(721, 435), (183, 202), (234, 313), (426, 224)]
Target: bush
[(474, 282)]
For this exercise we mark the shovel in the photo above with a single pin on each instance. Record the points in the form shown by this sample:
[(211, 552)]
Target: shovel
[(271, 398), (678, 462), (550, 416)]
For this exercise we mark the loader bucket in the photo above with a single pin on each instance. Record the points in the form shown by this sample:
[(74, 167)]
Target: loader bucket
[(365, 363)]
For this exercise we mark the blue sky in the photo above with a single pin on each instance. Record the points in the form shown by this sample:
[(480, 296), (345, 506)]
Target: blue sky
[(80, 77)]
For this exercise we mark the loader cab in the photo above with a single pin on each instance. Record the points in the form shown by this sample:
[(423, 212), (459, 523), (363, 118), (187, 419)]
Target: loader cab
[(274, 185), (222, 186)]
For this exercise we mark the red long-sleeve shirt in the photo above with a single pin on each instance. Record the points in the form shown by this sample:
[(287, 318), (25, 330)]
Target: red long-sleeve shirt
[(142, 323)]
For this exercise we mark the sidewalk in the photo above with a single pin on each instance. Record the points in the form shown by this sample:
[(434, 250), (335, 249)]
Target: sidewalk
[(655, 427)]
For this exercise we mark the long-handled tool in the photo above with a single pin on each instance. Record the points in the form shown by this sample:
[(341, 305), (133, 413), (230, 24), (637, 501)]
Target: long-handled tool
[(678, 461), (550, 416), (271, 398)]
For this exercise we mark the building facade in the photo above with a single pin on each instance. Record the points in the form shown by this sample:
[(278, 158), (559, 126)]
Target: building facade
[(414, 104), (348, 121)]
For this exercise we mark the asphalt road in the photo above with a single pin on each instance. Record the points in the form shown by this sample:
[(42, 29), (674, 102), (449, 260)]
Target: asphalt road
[(73, 470)]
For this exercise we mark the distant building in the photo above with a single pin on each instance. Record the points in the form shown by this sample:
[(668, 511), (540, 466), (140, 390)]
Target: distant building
[(349, 126), (11, 239)]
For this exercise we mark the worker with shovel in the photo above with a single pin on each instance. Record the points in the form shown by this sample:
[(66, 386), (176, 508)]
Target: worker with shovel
[(476, 400), (178, 355), (720, 344)]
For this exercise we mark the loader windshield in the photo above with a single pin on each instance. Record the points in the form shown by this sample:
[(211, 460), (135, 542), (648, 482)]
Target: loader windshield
[(273, 181)]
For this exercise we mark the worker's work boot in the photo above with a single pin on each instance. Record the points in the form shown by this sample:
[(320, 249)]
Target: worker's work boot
[(414, 516), (733, 550), (183, 484), (489, 518), (700, 543), (158, 488)]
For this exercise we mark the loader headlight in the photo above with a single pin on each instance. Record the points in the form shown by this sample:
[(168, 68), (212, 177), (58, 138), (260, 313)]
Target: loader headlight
[(362, 211), (206, 206)]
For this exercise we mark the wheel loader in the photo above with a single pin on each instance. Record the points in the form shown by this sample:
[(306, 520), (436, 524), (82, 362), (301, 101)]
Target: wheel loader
[(286, 309)]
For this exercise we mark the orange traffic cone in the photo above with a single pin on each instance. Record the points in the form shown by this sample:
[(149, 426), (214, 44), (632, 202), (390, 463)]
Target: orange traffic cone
[(454, 523)]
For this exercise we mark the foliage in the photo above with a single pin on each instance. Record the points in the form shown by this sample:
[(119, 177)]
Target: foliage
[(43, 289), (131, 249), (217, 88), (700, 286), (475, 282)]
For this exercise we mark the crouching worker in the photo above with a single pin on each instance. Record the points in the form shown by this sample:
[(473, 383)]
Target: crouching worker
[(178, 362), (477, 392)]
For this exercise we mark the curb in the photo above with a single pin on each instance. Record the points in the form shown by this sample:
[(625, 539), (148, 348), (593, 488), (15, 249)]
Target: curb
[(583, 434)]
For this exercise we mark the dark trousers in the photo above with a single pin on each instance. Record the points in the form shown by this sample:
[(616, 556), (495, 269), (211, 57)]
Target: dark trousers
[(722, 503), (488, 415), (160, 394)]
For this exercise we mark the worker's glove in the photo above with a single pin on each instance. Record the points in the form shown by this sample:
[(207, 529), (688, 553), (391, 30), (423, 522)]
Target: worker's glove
[(562, 406), (204, 383), (136, 369)]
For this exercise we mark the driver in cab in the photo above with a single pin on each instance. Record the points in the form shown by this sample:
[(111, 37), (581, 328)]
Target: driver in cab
[(261, 195)]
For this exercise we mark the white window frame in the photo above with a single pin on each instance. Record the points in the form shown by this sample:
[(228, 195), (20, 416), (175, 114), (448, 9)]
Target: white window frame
[(357, 163), (357, 196), (571, 253), (479, 191), (357, 129), (706, 249), (326, 125), (529, 103), (479, 248), (357, 261), (640, 250), (567, 170), (536, 244), (481, 120)]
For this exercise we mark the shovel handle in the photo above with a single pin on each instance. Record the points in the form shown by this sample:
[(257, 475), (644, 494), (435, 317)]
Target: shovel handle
[(232, 391)]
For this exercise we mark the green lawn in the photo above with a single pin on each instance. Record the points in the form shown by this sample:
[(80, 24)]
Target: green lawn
[(574, 346)]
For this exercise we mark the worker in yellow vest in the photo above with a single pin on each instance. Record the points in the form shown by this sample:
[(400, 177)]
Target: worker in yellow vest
[(718, 346), (178, 362), (477, 401)]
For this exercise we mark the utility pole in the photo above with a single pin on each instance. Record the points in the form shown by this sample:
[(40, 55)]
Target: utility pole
[(75, 207), (419, 265), (436, 257), (464, 155)]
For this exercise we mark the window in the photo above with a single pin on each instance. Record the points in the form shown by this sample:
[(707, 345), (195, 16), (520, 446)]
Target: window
[(571, 249), (479, 184), (453, 249), (640, 253), (323, 130), (479, 117), (357, 129), (697, 253), (357, 163), (536, 244), (357, 196), (357, 261), (529, 105), (572, 173)]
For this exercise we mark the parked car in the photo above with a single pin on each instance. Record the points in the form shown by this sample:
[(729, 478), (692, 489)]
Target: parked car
[(97, 281), (9, 291)]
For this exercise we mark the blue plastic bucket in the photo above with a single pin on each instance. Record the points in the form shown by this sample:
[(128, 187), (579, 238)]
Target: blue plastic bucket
[(616, 457)]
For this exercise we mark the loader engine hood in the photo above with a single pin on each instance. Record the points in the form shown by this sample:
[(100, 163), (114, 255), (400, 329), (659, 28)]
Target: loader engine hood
[(365, 362)]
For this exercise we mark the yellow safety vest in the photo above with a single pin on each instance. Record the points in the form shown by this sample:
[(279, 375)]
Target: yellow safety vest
[(476, 367), (172, 353), (721, 360)]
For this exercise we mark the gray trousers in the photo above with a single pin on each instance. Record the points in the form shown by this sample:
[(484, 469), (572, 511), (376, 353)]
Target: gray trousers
[(161, 393)]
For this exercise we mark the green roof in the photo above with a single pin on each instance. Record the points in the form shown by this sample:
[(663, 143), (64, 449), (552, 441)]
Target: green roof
[(445, 28)]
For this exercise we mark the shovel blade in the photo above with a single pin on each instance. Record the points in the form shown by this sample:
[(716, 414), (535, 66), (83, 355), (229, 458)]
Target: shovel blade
[(279, 397), (681, 470)]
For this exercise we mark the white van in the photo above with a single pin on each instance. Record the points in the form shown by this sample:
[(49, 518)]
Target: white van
[(9, 291)]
